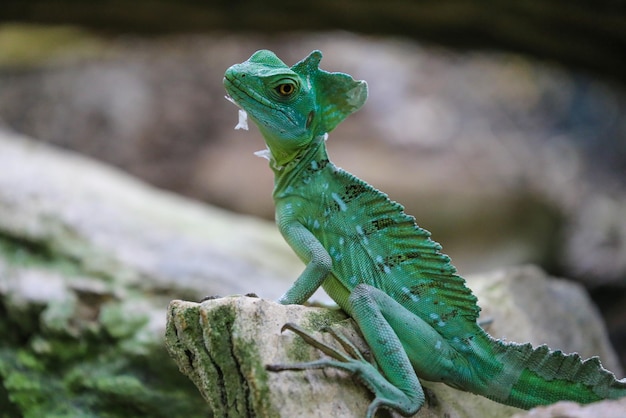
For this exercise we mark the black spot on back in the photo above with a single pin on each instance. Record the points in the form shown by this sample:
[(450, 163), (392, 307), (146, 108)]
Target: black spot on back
[(352, 191), (382, 223), (391, 261), (394, 260), (321, 164)]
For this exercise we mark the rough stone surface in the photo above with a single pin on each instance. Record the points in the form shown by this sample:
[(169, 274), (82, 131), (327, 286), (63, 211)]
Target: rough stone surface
[(223, 345), (111, 224), (606, 409), (89, 259)]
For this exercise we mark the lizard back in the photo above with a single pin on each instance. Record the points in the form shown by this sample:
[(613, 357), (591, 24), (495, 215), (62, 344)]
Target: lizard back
[(372, 240)]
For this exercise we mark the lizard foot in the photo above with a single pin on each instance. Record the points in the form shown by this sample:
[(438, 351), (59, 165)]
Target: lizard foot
[(352, 361), (353, 352)]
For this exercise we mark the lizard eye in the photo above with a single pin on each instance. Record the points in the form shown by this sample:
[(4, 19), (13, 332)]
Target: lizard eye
[(285, 89)]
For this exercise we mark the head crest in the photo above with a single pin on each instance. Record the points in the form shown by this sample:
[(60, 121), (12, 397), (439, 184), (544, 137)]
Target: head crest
[(337, 94)]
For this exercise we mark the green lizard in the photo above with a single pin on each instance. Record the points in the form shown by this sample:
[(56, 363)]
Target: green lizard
[(372, 259)]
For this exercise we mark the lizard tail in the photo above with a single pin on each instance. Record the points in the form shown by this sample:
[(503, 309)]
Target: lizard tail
[(550, 376)]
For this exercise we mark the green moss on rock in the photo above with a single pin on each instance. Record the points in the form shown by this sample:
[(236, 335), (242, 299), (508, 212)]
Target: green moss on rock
[(63, 355)]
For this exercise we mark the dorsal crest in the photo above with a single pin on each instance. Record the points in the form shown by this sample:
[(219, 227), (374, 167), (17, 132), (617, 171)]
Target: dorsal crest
[(395, 255)]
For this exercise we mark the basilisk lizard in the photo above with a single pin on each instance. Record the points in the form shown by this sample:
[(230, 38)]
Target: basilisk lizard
[(416, 314)]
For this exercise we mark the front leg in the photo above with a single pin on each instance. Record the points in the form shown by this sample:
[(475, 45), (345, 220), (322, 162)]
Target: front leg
[(310, 250)]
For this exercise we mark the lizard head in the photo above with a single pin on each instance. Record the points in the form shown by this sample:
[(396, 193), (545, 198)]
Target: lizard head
[(292, 106)]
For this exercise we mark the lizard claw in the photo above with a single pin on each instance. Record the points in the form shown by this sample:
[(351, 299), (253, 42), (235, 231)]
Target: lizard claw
[(339, 357), (351, 361), (354, 353)]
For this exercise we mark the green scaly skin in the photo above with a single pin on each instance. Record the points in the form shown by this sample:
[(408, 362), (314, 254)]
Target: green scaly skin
[(414, 311)]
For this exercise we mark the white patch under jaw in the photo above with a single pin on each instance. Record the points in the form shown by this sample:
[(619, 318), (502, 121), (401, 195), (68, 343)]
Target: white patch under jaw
[(264, 153), (242, 123), (243, 120)]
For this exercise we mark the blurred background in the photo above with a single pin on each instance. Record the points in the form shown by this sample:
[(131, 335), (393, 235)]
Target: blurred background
[(501, 129)]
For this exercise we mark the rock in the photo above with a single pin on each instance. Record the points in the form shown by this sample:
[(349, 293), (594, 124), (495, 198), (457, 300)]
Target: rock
[(89, 258), (110, 224), (223, 345), (526, 306), (605, 409)]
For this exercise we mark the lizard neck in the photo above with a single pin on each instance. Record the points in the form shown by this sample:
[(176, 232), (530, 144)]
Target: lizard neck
[(287, 174)]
